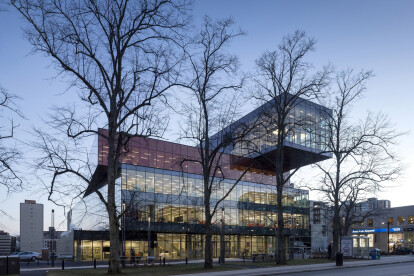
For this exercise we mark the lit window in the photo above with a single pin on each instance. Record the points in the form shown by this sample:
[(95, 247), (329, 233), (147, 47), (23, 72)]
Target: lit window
[(410, 219), (400, 220), (370, 223), (391, 221)]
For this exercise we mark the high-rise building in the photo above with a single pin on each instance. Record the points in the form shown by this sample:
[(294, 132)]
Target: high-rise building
[(320, 219), (373, 204), (31, 226)]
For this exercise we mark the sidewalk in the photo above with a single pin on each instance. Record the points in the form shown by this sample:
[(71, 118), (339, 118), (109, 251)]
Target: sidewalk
[(305, 268), (257, 271)]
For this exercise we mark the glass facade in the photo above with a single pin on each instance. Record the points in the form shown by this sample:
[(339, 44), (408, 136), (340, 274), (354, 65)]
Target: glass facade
[(306, 126), (173, 202), (174, 197)]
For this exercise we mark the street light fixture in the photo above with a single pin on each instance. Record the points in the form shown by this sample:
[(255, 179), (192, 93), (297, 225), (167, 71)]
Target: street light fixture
[(222, 243), (275, 239), (149, 234), (123, 228), (52, 232), (388, 236)]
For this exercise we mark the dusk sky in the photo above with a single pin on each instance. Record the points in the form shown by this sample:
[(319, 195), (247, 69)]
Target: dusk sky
[(371, 35)]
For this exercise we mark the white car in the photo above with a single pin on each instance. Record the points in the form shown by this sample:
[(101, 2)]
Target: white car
[(29, 256)]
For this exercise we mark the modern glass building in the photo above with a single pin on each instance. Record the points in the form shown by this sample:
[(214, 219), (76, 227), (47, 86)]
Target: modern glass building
[(163, 198)]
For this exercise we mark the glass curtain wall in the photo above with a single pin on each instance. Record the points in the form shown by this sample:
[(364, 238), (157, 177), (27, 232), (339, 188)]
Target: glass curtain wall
[(173, 197), (307, 125), (173, 202)]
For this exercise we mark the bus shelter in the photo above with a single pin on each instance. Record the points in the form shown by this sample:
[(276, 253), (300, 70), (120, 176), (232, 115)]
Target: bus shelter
[(355, 247), (360, 247)]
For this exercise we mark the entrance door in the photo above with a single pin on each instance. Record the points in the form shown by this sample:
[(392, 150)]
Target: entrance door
[(216, 249)]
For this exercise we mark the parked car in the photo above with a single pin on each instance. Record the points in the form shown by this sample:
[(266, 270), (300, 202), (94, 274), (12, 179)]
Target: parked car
[(29, 255), (403, 251)]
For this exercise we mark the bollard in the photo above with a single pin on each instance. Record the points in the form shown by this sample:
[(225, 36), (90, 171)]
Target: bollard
[(254, 259), (94, 263), (160, 260), (163, 260), (63, 264), (243, 258), (186, 260)]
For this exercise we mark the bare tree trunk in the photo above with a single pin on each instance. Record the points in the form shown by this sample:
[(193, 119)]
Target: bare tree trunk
[(113, 219), (208, 250), (336, 219), (336, 231), (114, 242), (281, 250)]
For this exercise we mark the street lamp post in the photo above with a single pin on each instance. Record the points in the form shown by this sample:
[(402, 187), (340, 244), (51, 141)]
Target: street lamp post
[(52, 233), (388, 236), (149, 234), (222, 242), (123, 229), (275, 241)]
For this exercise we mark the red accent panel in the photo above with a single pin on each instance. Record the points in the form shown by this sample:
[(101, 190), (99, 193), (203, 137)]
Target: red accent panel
[(160, 154)]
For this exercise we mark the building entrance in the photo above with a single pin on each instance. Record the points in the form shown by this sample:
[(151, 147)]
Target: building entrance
[(216, 249)]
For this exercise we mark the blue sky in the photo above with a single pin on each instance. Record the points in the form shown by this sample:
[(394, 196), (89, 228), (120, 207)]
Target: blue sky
[(372, 35)]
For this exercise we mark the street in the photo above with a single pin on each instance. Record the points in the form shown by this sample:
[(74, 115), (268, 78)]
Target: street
[(402, 269)]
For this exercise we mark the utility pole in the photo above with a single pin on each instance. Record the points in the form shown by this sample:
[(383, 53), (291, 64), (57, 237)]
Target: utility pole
[(222, 241)]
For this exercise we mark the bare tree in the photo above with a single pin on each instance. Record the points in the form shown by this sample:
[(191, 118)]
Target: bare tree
[(9, 154), (119, 57), (362, 157), (212, 86), (283, 80)]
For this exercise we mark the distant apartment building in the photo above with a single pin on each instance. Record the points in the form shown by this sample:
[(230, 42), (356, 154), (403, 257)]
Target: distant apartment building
[(373, 204), (5, 243), (31, 226), (319, 225)]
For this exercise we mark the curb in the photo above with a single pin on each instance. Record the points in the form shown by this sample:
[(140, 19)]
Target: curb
[(251, 272), (322, 269)]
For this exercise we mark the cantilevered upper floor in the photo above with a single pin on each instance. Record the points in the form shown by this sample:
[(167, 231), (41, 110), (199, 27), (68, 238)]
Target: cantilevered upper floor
[(306, 128)]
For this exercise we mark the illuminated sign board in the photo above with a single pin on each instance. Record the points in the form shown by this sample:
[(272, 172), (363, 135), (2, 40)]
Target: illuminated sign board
[(377, 230)]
